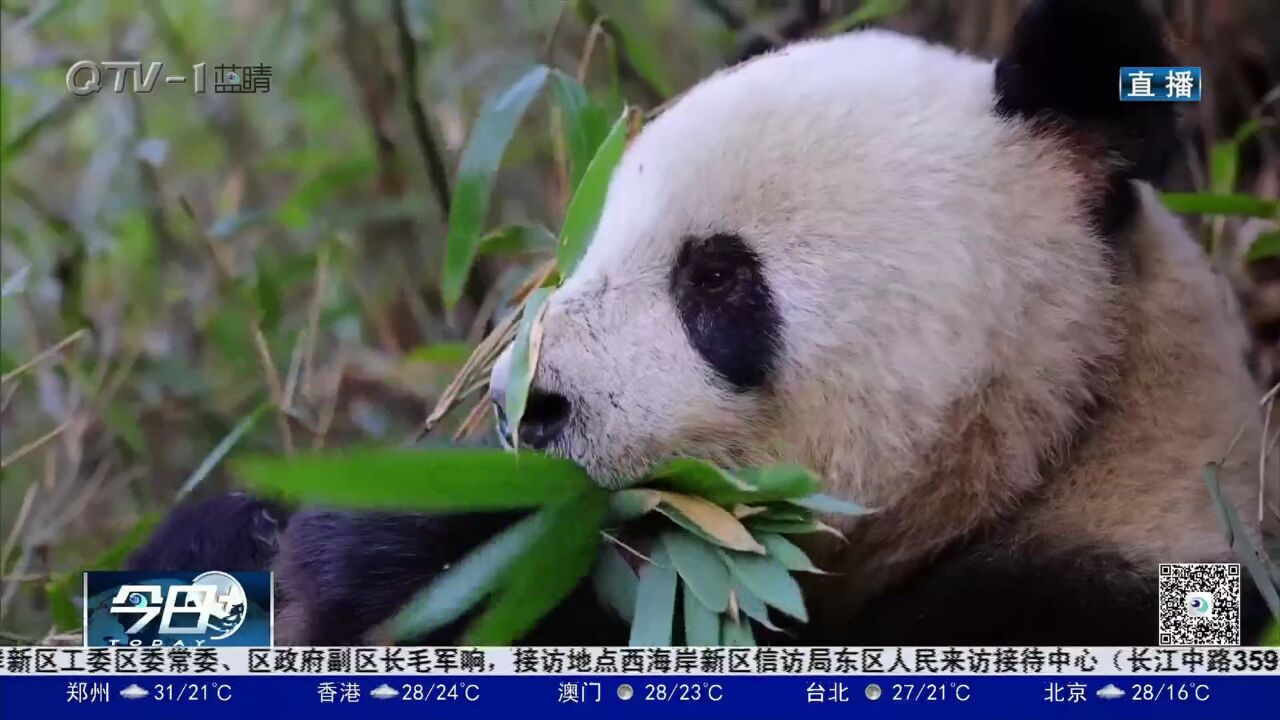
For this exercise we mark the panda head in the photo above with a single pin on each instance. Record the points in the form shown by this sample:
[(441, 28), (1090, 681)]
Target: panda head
[(841, 252)]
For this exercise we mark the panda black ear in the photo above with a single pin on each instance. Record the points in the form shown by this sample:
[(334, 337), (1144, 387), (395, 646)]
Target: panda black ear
[(1062, 68)]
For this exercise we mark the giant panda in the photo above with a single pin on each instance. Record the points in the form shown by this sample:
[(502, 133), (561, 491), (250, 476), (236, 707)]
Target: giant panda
[(943, 283)]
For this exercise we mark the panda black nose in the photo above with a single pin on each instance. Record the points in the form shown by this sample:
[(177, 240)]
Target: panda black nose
[(545, 417)]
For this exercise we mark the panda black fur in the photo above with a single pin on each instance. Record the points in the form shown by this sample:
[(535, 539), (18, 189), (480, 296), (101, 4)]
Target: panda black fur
[(942, 283), (231, 532)]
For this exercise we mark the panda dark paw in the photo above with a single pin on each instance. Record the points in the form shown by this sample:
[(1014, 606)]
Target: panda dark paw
[(231, 532), (340, 574)]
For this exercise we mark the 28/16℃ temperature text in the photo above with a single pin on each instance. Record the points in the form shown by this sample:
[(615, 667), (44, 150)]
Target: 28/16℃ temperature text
[(1175, 691)]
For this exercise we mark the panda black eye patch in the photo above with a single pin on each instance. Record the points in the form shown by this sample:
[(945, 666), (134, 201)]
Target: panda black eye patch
[(727, 308)]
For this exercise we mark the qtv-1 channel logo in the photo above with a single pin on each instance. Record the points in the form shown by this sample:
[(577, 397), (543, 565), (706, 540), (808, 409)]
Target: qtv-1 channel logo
[(195, 609)]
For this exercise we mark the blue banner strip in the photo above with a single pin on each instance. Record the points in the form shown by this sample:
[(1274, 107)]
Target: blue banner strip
[(739, 696)]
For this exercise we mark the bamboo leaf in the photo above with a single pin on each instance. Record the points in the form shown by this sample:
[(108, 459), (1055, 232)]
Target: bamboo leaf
[(585, 124), (750, 486), (627, 505), (769, 580), (1260, 568), (267, 298), (785, 481), (615, 583), (1266, 245), (655, 602), (441, 353), (643, 54), (833, 505), (1224, 157), (524, 359), (701, 569), (584, 209), (787, 553), (523, 238), (783, 527), (792, 527), (751, 605), (546, 573), (701, 624), (480, 159), (66, 616), (409, 480), (679, 519), (220, 450), (631, 30), (713, 522), (700, 478), (1249, 128), (736, 633), (785, 512), (1271, 638), (1223, 164), (467, 582), (1222, 204)]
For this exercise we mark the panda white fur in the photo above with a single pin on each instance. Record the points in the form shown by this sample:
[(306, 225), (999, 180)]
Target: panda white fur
[(940, 282)]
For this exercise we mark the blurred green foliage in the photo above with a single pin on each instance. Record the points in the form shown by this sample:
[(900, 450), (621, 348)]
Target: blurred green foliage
[(317, 242), (300, 304)]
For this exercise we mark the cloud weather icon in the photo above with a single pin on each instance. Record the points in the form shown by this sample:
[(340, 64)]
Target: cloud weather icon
[(134, 692), (1110, 692), (384, 692)]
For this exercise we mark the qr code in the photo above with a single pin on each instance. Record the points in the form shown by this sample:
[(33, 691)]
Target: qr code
[(1200, 604)]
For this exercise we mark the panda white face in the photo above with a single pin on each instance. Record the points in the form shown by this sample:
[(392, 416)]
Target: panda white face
[(818, 256)]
